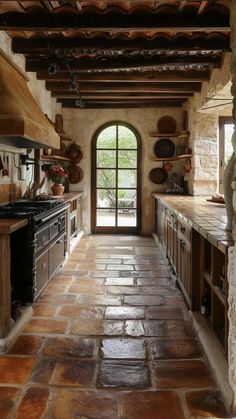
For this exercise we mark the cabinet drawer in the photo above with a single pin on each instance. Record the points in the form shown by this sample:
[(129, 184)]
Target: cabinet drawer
[(42, 271), (42, 239), (57, 254), (57, 226), (184, 231)]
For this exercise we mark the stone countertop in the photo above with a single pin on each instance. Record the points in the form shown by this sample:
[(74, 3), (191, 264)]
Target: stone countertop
[(70, 196), (207, 218), (9, 225)]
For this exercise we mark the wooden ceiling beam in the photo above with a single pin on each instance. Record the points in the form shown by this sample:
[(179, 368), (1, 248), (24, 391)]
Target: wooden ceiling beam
[(115, 22), (125, 87), (191, 44), (149, 77), (126, 64), (118, 96), (68, 103)]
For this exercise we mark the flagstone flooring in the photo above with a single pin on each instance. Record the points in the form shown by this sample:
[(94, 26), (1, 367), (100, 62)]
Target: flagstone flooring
[(110, 338)]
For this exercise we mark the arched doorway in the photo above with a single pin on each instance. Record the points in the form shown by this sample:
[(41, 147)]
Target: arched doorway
[(115, 189)]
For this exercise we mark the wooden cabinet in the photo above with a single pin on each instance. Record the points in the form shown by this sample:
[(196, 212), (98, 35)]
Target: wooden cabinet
[(214, 284), (74, 221), (184, 271)]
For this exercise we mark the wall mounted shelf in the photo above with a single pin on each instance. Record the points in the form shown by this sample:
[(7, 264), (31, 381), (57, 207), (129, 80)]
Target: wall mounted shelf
[(55, 158), (181, 156)]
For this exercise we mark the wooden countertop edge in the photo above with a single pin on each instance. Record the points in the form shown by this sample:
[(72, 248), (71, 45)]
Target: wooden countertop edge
[(221, 244), (70, 196), (9, 225)]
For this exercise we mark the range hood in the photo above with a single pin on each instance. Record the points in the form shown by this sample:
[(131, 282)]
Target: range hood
[(22, 122)]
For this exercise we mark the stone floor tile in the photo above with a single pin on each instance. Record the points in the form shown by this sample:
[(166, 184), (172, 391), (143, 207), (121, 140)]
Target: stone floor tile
[(134, 328), (151, 405), (55, 288), (74, 372), (158, 281), (104, 274), (123, 290), (27, 345), (151, 274), (205, 403), (168, 328), (123, 348), (144, 300), (87, 281), (158, 289), (69, 348), (82, 312), (61, 280), (153, 267), (87, 327), (50, 326), (174, 349), (91, 266), (34, 403), (175, 300), (124, 313), (86, 289), (113, 328), (15, 370), (43, 371), (68, 404), (120, 267), (99, 300), (8, 397), (44, 310), (165, 313), (131, 374), (119, 281), (177, 374)]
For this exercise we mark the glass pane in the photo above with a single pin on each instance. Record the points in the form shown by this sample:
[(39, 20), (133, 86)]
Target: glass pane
[(127, 178), (127, 218), (127, 159), (229, 129), (106, 158), (126, 138), (106, 218), (106, 178), (107, 138), (106, 198), (127, 198)]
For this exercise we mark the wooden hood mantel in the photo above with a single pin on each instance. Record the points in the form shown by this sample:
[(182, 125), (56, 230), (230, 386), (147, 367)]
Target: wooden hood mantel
[(22, 122)]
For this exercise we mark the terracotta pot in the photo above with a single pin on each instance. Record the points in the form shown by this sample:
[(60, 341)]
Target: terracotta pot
[(57, 189)]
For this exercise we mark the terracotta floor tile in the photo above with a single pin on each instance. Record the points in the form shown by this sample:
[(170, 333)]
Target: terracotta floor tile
[(144, 300), (104, 274), (69, 348), (91, 266), (99, 300), (57, 299), (74, 373), (119, 281), (88, 281), (44, 310), (205, 403), (151, 405), (49, 326), (60, 280), (43, 370), (33, 404), (175, 300), (113, 328), (123, 348), (55, 289), (134, 328), (68, 404), (87, 327), (15, 370), (82, 312), (8, 397), (86, 289), (165, 313), (132, 374), (27, 345), (124, 313), (174, 349), (168, 328), (178, 374)]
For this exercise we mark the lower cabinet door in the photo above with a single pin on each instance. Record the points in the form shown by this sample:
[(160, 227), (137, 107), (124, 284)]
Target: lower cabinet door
[(57, 254), (42, 272)]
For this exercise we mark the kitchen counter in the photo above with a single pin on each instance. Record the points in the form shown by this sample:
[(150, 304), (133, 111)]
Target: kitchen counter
[(207, 218), (70, 196)]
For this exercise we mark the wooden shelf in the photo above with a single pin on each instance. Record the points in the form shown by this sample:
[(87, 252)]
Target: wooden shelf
[(55, 158), (158, 134), (181, 156), (219, 294)]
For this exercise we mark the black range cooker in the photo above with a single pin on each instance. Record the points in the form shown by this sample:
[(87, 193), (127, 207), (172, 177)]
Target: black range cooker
[(38, 249)]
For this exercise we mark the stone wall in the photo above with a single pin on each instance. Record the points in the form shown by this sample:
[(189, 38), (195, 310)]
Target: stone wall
[(81, 125)]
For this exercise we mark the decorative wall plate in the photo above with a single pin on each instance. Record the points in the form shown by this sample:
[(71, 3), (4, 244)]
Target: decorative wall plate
[(74, 153), (158, 175), (164, 148), (75, 174), (166, 125)]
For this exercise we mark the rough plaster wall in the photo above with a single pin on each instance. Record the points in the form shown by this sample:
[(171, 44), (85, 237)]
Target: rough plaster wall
[(232, 251), (81, 125), (203, 127)]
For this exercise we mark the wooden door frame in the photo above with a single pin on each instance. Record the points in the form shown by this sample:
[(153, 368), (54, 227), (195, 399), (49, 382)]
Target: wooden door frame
[(114, 230)]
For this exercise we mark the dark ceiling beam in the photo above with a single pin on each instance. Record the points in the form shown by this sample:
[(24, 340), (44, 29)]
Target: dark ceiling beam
[(62, 45), (118, 96), (68, 103), (207, 22), (126, 64), (127, 87), (149, 77)]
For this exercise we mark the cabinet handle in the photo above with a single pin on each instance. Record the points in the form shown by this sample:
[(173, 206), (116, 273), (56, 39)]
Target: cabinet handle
[(56, 223), (59, 241)]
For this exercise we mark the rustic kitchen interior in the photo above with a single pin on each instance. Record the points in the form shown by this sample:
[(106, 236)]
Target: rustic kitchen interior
[(117, 209)]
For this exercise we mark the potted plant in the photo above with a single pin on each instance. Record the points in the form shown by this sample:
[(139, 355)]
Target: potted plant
[(57, 174)]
